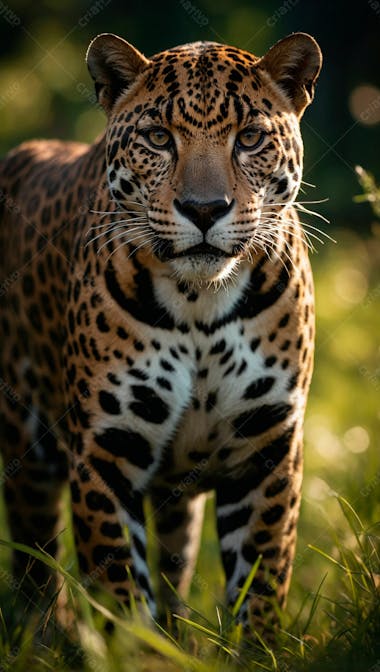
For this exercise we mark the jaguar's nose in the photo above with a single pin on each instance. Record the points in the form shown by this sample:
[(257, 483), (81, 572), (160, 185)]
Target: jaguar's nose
[(205, 214)]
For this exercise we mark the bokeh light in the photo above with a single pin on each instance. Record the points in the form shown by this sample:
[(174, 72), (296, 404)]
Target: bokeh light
[(356, 439), (364, 103)]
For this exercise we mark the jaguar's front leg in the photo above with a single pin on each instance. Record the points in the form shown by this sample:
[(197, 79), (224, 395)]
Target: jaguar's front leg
[(257, 512), (178, 531), (104, 499)]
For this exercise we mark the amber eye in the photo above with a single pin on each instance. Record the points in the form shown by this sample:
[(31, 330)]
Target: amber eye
[(159, 137), (249, 138)]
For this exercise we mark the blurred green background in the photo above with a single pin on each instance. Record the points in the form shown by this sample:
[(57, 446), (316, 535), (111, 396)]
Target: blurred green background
[(47, 92)]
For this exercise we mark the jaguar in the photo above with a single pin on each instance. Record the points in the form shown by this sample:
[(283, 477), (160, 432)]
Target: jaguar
[(157, 324)]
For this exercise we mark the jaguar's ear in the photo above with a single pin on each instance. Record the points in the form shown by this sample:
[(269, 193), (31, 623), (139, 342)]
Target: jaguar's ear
[(294, 64), (114, 64)]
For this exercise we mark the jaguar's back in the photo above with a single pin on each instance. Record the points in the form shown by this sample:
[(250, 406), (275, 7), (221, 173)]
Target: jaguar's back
[(157, 318)]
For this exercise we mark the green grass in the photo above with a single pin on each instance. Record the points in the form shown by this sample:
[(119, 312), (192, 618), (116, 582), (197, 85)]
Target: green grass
[(335, 629), (332, 620)]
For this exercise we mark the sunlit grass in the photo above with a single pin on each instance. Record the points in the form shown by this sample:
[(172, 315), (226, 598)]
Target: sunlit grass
[(337, 630)]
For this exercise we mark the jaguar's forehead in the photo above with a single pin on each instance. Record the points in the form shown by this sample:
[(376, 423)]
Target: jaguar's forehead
[(202, 85), (203, 55), (202, 66)]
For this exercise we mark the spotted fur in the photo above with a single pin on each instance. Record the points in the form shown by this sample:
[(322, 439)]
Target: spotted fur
[(157, 320)]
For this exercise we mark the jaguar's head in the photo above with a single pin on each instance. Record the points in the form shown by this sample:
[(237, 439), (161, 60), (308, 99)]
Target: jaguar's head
[(203, 145)]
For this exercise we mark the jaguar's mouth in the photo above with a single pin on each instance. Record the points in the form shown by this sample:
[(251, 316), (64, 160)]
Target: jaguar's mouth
[(200, 251), (203, 249)]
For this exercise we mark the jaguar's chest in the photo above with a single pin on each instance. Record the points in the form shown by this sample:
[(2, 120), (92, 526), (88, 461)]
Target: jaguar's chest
[(209, 384)]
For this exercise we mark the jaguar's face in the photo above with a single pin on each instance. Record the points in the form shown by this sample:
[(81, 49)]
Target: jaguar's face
[(204, 148)]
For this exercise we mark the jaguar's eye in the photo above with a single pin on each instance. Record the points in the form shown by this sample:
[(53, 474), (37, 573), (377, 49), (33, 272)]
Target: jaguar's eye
[(249, 138), (159, 137)]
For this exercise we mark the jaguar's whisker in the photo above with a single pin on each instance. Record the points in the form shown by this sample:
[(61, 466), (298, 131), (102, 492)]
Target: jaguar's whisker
[(138, 247), (304, 225), (142, 205), (110, 225), (111, 230), (296, 235), (313, 235), (127, 243), (295, 202), (121, 235), (302, 208), (270, 241)]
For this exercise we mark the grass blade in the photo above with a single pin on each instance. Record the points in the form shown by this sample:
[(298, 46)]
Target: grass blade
[(314, 605), (247, 584)]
